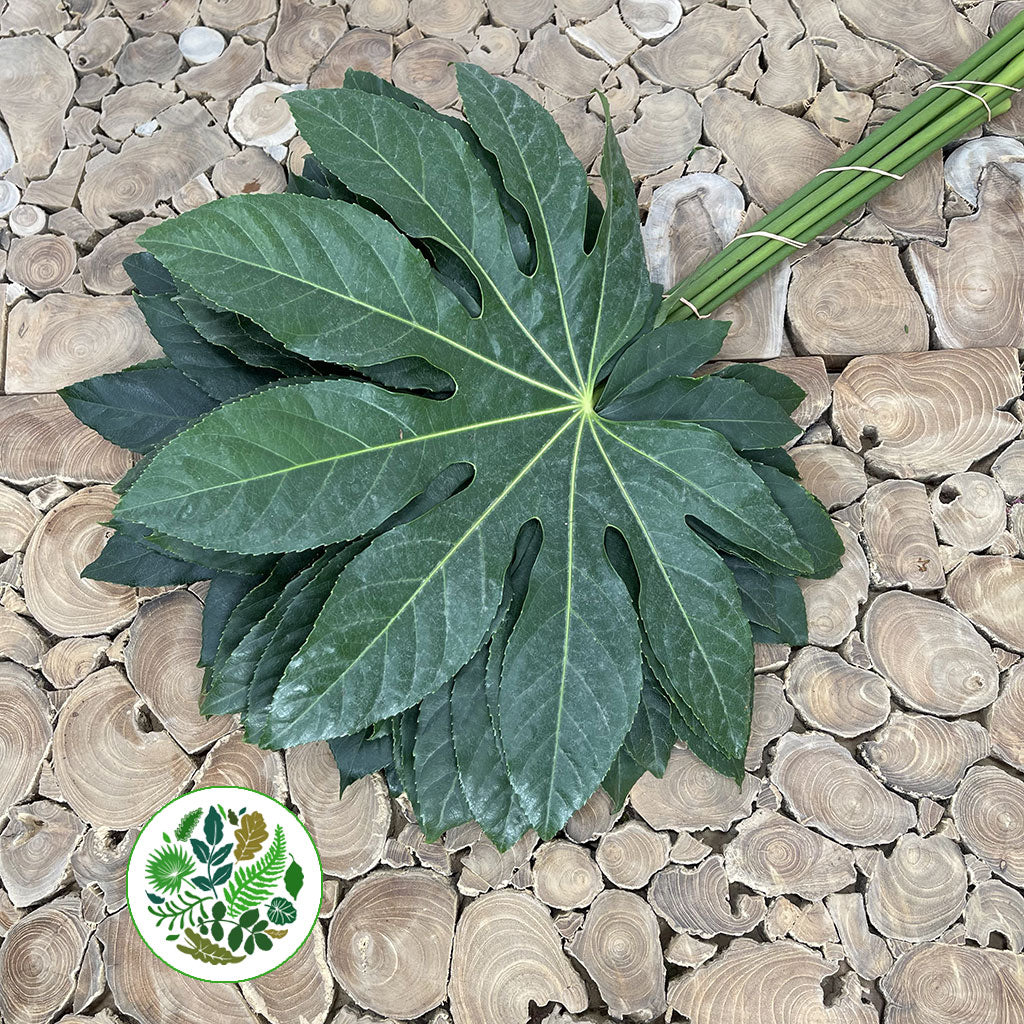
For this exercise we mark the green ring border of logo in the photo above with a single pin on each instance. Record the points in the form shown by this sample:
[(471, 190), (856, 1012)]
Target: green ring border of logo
[(225, 981)]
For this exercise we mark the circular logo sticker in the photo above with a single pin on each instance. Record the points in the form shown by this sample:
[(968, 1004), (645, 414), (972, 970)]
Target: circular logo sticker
[(224, 884)]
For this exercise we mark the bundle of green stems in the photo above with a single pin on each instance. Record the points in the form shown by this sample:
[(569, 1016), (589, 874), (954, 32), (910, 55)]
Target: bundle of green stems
[(979, 89)]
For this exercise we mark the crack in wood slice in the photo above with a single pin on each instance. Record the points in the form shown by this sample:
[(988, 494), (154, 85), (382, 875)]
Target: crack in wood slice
[(620, 948), (59, 189), (39, 960), (362, 49), (299, 991), (833, 475), (484, 867), (112, 767), (303, 36), (973, 285), (147, 170), (866, 952), (791, 79), (697, 900), (102, 271), (25, 734), (930, 654), (153, 58), (774, 152), (148, 990), (35, 850), (705, 47), (924, 756), (852, 298), (665, 132), (931, 413), (101, 863), (63, 338), (226, 77), (508, 954), (161, 659), (691, 795), (989, 589), (900, 536), (833, 604), (565, 876), (966, 165), (917, 891), (933, 32), (36, 85), (68, 539), (831, 694), (775, 983), (348, 828), (938, 983), (994, 907), (631, 853), (127, 109), (825, 788), (233, 762), (775, 855), (988, 811), (497, 50), (551, 60)]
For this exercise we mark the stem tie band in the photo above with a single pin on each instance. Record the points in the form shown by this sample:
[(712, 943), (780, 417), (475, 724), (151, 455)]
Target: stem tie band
[(959, 86), (769, 234), (859, 167), (700, 315)]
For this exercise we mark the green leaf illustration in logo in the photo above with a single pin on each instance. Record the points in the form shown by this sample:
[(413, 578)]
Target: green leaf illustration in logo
[(281, 911), (293, 879), (208, 952), (168, 867), (187, 825), (255, 882), (213, 827)]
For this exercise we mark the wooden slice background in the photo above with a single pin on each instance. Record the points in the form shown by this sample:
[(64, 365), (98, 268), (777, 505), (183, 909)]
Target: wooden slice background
[(873, 851)]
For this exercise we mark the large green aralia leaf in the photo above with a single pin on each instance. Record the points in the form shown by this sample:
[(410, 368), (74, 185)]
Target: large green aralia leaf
[(304, 465), (138, 407), (743, 416)]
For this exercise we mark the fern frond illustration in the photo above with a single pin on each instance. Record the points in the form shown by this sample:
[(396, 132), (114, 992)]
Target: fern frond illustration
[(187, 825), (168, 867), (255, 882), (175, 914)]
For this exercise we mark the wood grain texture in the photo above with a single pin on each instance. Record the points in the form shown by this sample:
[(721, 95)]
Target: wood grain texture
[(867, 870)]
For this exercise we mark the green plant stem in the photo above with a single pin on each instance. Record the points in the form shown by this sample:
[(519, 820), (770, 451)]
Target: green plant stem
[(935, 118)]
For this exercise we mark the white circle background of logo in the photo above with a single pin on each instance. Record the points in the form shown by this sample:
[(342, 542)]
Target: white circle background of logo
[(299, 850)]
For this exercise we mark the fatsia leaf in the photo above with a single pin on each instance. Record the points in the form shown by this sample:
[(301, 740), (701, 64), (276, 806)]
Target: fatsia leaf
[(744, 417), (672, 350), (773, 604), (138, 407), (129, 559), (765, 381), (304, 465)]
